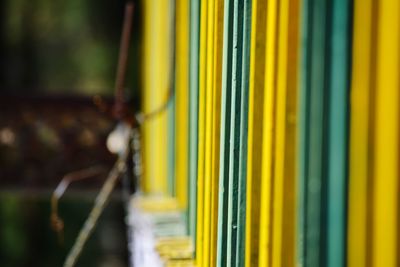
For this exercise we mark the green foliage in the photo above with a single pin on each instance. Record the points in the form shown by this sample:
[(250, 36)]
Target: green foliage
[(64, 46)]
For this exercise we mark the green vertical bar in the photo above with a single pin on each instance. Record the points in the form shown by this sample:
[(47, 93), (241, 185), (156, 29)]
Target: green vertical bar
[(315, 244), (193, 112), (222, 242), (338, 132), (303, 153), (232, 203), (245, 72), (171, 109), (323, 141), (171, 148), (234, 138), (312, 129)]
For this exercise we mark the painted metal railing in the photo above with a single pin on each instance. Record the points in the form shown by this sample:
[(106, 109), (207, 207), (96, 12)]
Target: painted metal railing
[(281, 142)]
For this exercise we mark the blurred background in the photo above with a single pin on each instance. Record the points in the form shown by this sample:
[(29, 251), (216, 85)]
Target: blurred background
[(56, 56)]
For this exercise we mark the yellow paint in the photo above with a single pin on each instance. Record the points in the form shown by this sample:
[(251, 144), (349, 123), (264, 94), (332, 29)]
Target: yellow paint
[(386, 172), (280, 134), (216, 122), (180, 263), (201, 135), (211, 36), (182, 100), (289, 222), (361, 128), (156, 63), (175, 248), (268, 135), (283, 224), (256, 93), (208, 132), (156, 203)]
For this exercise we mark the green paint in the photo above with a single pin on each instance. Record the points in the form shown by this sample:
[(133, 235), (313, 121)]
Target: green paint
[(323, 133), (241, 221), (232, 200), (171, 148), (222, 243), (193, 112), (303, 152), (338, 132), (171, 151)]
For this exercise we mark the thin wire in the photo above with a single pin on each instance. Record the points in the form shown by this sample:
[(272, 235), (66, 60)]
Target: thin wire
[(123, 59), (100, 203), (120, 166), (57, 223)]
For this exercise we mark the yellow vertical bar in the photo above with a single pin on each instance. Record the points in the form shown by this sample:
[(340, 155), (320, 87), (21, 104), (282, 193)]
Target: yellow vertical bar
[(268, 135), (280, 134), (208, 131), (147, 86), (155, 87), (387, 137), (162, 78), (201, 135), (288, 246), (283, 242), (216, 122), (181, 100), (360, 133), (256, 93)]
